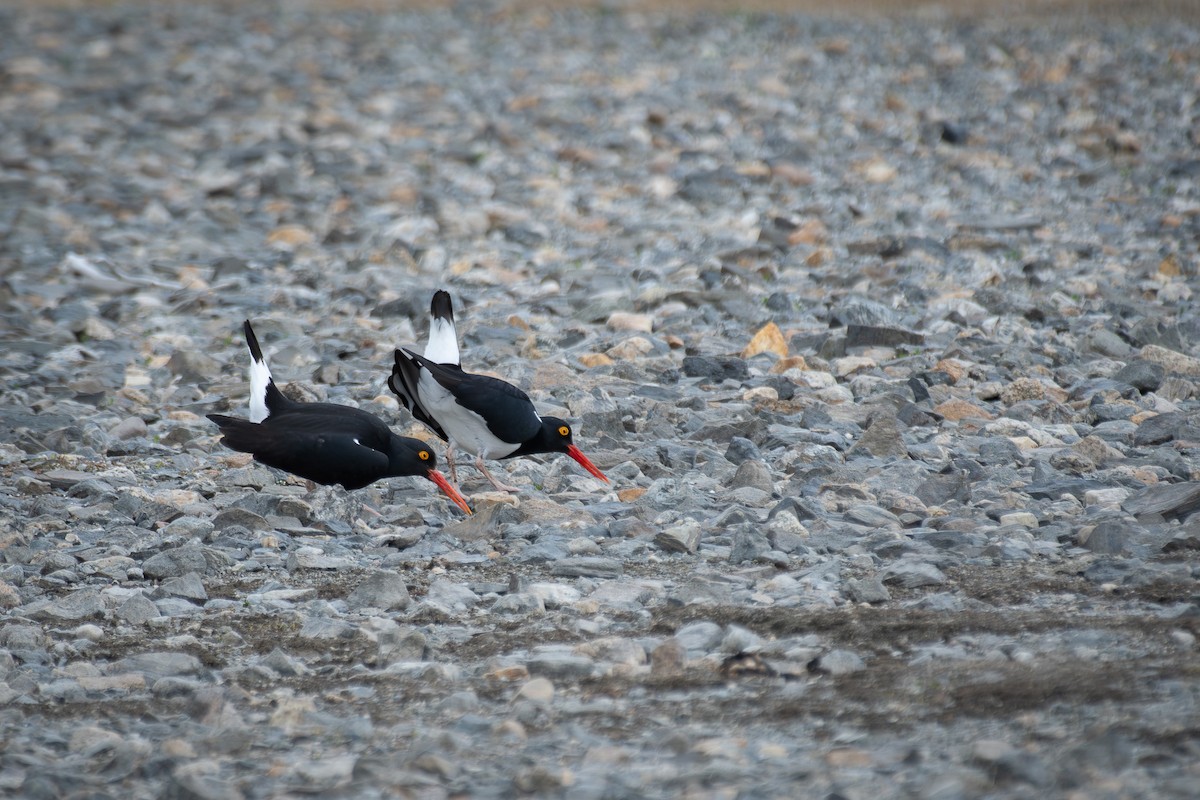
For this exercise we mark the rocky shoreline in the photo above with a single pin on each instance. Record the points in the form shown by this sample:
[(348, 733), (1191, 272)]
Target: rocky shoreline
[(883, 329)]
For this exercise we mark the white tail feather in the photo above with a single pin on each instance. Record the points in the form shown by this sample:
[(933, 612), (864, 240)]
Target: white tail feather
[(442, 347), (260, 376)]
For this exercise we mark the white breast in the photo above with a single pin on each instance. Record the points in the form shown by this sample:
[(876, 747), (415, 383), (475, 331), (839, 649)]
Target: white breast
[(467, 431)]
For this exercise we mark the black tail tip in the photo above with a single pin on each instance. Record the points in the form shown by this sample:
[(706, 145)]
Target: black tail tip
[(252, 341), (441, 307)]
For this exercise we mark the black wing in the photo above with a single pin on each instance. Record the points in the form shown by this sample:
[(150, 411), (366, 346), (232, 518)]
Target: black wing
[(403, 381), (308, 446), (508, 411)]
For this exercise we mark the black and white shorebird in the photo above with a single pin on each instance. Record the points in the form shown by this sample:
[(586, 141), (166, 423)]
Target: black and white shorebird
[(479, 414), (323, 442)]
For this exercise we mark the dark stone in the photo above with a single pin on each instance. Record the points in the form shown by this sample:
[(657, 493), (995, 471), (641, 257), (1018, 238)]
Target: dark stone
[(936, 378), (1000, 451), (588, 567), (1160, 429), (1152, 330), (784, 387), (1144, 376), (1107, 538), (748, 546), (1167, 500), (881, 439), (716, 369), (954, 133), (723, 432), (742, 449), (939, 489), (778, 302), (880, 336), (914, 416), (919, 389)]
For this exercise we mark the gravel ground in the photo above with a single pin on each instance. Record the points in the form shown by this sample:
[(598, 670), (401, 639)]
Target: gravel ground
[(883, 329)]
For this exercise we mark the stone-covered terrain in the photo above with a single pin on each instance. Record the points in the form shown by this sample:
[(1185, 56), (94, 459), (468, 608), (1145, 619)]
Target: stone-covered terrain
[(883, 328)]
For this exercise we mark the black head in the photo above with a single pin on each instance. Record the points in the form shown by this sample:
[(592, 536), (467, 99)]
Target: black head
[(408, 456), (413, 457), (556, 436)]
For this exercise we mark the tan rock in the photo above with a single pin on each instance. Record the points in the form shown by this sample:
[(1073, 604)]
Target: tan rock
[(593, 360), (851, 364), (956, 369), (791, 362), (761, 394), (634, 347), (1022, 389), (956, 410), (288, 237), (768, 339), (876, 170), (628, 321), (516, 672), (539, 690), (811, 232), (848, 757), (1171, 360)]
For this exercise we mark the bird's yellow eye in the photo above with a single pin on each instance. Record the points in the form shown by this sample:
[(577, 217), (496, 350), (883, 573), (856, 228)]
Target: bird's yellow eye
[(563, 430), (423, 455)]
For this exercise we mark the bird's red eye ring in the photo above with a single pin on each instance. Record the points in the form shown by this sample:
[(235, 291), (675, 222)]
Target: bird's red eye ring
[(563, 430), (423, 455)]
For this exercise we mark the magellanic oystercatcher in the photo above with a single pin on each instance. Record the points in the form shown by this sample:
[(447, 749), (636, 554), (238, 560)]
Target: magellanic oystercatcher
[(484, 416), (323, 442)]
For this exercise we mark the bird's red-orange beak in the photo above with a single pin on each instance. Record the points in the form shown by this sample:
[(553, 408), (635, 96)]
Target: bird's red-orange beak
[(448, 490), (577, 454)]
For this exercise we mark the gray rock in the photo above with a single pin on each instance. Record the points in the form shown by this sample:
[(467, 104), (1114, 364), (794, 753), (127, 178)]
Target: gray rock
[(867, 590), (753, 474), (881, 439), (872, 517), (839, 662), (1107, 538), (193, 366), (188, 586), (450, 595), (880, 336), (912, 574), (381, 589), (1145, 376), (741, 450), (587, 567), (240, 516), (307, 560), (202, 780), (284, 664), (1160, 429), (699, 638), (157, 664), (748, 545), (1167, 500), (137, 610), (715, 369), (84, 603), (683, 538), (327, 628), (519, 603), (179, 561), (557, 663)]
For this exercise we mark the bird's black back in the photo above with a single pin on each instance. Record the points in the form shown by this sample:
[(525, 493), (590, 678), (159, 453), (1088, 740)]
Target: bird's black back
[(327, 444)]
